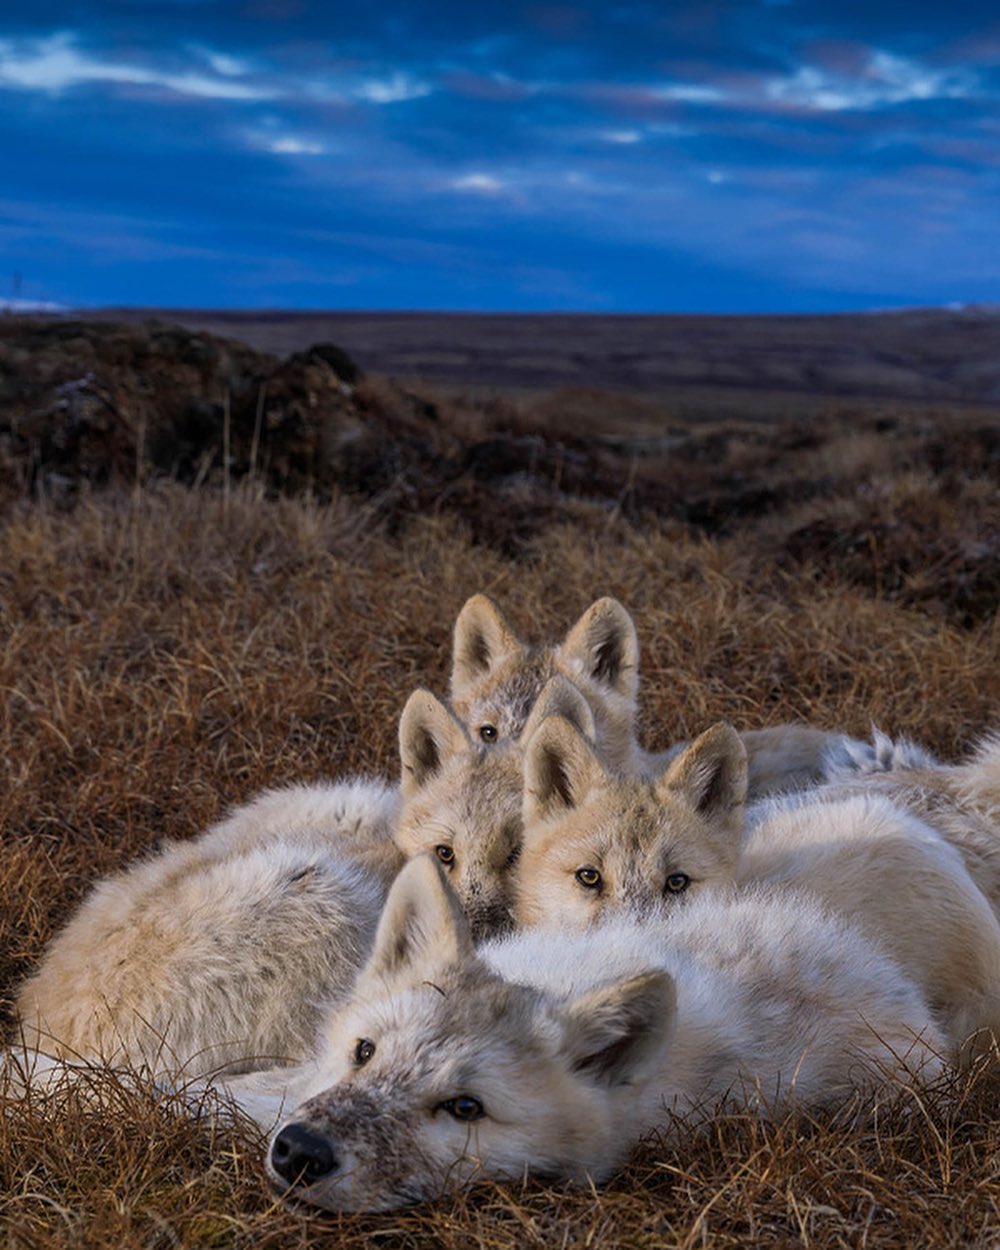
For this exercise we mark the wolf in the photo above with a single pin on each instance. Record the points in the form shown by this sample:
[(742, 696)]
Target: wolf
[(554, 1052), (597, 842), (496, 679), (462, 801), (215, 953), (961, 800)]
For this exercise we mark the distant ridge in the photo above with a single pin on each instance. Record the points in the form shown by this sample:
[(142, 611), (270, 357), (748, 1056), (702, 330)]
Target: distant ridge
[(936, 356)]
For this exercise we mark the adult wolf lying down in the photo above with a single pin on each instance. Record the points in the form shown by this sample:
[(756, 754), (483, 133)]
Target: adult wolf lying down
[(555, 1053)]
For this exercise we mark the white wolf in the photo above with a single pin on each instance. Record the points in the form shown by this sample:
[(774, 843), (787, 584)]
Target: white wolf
[(597, 842), (555, 1052), (961, 800), (496, 680), (217, 953), (462, 800)]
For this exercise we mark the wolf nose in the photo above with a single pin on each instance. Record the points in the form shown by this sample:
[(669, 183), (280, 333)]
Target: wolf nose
[(301, 1156)]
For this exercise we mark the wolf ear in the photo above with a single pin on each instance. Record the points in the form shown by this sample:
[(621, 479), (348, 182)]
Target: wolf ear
[(560, 770), (711, 774), (612, 1032), (603, 647), (559, 697), (482, 638), (429, 735), (421, 924)]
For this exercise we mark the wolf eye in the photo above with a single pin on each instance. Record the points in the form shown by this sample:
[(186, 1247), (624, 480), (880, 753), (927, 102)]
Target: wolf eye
[(445, 853), (363, 1051), (678, 882), (590, 878), (488, 733), (464, 1107)]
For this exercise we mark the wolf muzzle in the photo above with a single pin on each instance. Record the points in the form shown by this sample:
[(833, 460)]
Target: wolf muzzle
[(301, 1156)]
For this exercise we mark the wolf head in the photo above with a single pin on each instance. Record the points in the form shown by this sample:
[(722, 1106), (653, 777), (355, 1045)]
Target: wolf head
[(462, 801), (496, 679), (595, 841), (437, 1071)]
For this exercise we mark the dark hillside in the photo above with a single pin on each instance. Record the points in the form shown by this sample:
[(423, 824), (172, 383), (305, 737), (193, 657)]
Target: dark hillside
[(903, 503)]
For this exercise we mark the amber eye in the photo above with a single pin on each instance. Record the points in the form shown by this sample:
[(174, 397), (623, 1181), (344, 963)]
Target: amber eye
[(590, 878), (363, 1051), (446, 854), (678, 882), (488, 733), (464, 1107)]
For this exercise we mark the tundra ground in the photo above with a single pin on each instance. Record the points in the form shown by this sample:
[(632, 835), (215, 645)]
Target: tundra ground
[(169, 650)]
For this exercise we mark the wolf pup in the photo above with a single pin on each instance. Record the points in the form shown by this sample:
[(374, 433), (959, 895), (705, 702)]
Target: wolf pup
[(596, 842), (461, 801), (215, 952), (555, 1052), (496, 679), (962, 800)]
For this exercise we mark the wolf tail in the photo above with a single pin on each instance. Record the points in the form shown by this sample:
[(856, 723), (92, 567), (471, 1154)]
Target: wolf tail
[(847, 758)]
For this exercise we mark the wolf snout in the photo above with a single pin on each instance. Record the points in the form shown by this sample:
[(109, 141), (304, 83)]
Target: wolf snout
[(301, 1156)]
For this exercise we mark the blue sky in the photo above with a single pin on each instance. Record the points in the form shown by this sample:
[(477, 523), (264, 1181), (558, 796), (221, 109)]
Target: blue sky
[(704, 157)]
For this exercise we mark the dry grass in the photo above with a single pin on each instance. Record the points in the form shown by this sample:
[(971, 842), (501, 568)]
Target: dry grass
[(167, 653)]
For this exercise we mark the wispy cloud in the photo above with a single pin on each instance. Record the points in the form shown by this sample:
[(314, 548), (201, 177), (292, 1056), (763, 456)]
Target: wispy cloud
[(394, 89), (293, 145), (224, 64), (482, 184), (55, 64), (624, 138), (885, 80), (687, 93)]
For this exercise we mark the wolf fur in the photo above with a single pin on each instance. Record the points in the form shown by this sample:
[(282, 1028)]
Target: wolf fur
[(961, 801), (217, 952), (496, 679), (874, 861), (565, 1048), (462, 800), (635, 833)]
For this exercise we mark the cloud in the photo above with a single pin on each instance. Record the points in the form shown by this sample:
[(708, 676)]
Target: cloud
[(885, 80), (484, 184), (55, 64), (623, 137), (830, 79), (394, 89), (224, 64), (688, 93), (292, 145)]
